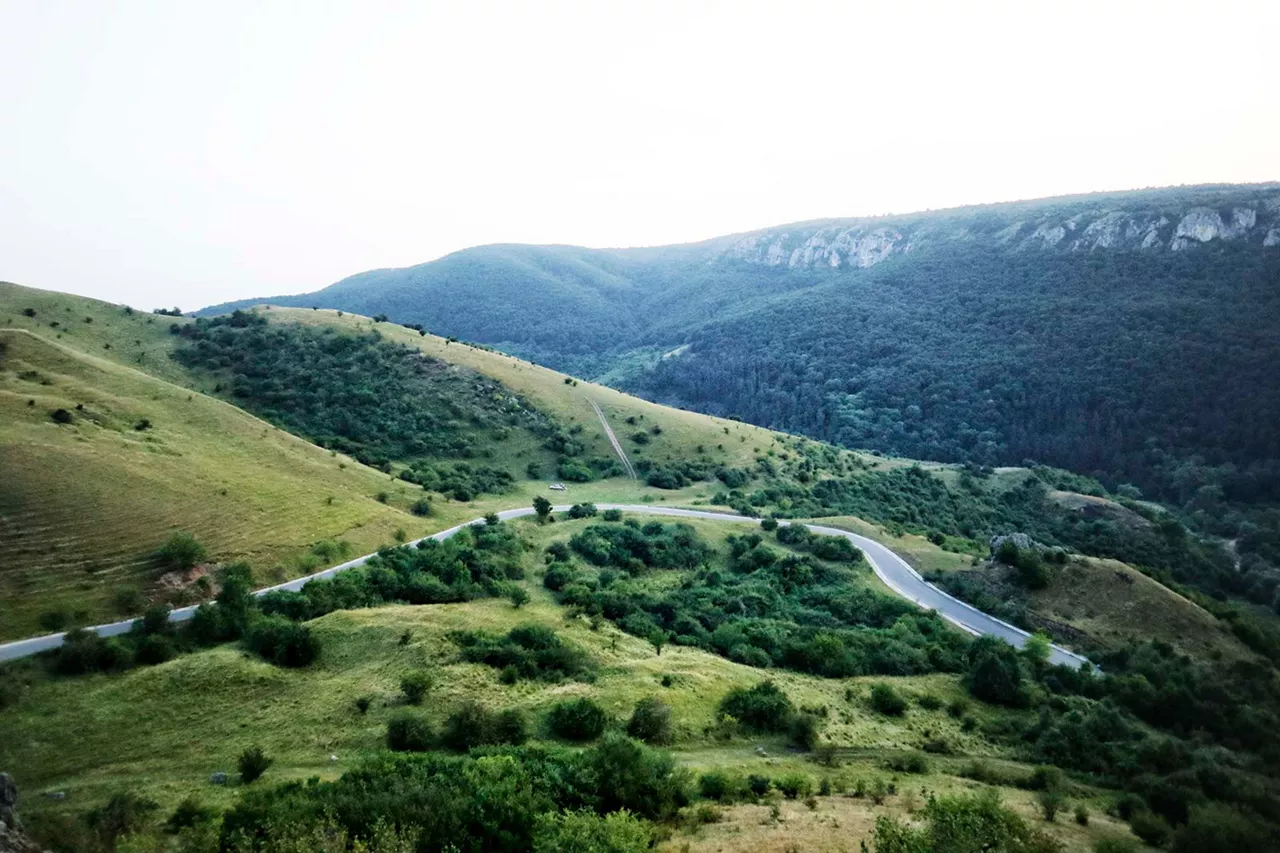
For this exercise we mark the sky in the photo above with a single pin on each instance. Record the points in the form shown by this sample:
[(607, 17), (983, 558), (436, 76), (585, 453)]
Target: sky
[(161, 153)]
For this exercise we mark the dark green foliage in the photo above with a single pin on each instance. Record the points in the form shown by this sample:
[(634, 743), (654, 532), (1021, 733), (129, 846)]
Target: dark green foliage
[(363, 703), (421, 507), (654, 546), (122, 814), (577, 719), (612, 515), (887, 700), (909, 762), (651, 722), (995, 673), (354, 393), (253, 762), (475, 725), (582, 511), (407, 732), (61, 416), (1151, 828), (84, 651), (188, 813), (764, 707), (414, 686), (530, 651), (618, 832), (542, 507), (154, 649), (804, 730), (759, 785), (282, 642), (180, 551), (794, 785)]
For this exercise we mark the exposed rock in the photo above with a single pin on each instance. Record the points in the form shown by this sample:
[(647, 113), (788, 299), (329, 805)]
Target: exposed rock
[(8, 800), (12, 838), (219, 778), (1021, 540)]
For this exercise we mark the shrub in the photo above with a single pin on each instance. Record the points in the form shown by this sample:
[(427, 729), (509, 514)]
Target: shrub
[(156, 649), (759, 785), (1051, 801), (518, 596), (180, 551), (629, 775), (282, 642), (414, 686), (190, 812), (421, 507), (1150, 827), (253, 762), (408, 733), (121, 815), (579, 719), (795, 785), (1115, 844), (763, 707), (612, 515), (617, 832), (929, 702), (804, 731), (888, 701), (363, 703), (582, 511), (715, 786), (474, 725), (651, 722), (155, 620), (61, 416), (1082, 814), (769, 525)]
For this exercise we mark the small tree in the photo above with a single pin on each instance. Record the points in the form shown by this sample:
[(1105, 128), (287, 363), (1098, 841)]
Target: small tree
[(888, 701), (580, 719), (651, 722), (181, 551), (518, 596), (658, 639), (542, 507), (408, 732), (253, 763)]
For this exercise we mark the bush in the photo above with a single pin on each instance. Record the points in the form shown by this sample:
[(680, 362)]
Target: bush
[(651, 722), (804, 731), (363, 703), (764, 707), (888, 701), (612, 515), (1150, 827), (1051, 801), (578, 720), (759, 785), (929, 702), (618, 832), (61, 416), (121, 815), (1115, 844), (190, 812), (156, 649), (911, 762), (253, 762), (421, 507), (282, 642), (795, 785), (414, 686), (582, 511), (180, 551), (715, 786), (1082, 814), (408, 733), (474, 725)]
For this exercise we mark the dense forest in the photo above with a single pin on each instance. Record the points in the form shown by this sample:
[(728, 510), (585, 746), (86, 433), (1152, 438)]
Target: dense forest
[(360, 395)]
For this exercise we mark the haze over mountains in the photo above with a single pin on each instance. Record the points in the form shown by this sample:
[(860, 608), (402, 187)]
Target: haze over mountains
[(1128, 334)]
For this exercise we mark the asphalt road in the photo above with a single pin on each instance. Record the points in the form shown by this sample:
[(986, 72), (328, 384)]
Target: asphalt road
[(888, 566)]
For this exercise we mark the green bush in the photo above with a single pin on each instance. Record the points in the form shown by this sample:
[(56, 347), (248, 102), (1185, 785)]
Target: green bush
[(804, 730), (795, 785), (582, 511), (578, 719), (408, 732), (414, 686), (253, 762), (1115, 844), (887, 700), (474, 725), (180, 551), (282, 642), (612, 515), (911, 762), (764, 707), (585, 831), (651, 722), (715, 786), (1150, 827), (759, 785)]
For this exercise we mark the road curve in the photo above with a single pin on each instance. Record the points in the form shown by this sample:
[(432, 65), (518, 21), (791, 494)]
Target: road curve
[(888, 566)]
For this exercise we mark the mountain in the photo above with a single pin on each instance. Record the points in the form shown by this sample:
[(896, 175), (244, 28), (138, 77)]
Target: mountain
[(1131, 336)]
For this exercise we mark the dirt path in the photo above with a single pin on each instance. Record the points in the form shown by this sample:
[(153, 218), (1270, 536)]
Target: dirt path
[(613, 439)]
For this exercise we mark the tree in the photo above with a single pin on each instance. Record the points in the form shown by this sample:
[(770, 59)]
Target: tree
[(542, 507), (180, 551), (658, 639), (1037, 649), (408, 732), (994, 673), (579, 719), (518, 596), (253, 763), (888, 701), (651, 722)]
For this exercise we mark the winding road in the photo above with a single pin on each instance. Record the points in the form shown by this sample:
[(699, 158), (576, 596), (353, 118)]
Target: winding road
[(888, 566)]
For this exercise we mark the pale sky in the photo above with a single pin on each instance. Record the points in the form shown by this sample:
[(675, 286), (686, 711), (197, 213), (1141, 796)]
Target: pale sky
[(162, 153)]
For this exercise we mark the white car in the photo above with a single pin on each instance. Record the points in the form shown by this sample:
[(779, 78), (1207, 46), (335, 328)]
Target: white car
[(557, 487)]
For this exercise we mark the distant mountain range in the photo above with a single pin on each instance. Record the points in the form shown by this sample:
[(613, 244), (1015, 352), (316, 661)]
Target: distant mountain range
[(1128, 334)]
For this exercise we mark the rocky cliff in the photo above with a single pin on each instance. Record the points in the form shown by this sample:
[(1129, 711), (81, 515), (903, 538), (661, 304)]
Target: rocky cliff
[(1165, 221)]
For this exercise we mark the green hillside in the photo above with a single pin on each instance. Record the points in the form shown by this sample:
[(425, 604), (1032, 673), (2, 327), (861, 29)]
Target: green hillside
[(1126, 336)]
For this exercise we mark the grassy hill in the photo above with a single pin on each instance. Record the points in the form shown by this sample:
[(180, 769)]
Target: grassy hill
[(93, 736)]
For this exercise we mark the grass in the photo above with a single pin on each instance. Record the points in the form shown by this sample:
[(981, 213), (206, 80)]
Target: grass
[(92, 736)]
